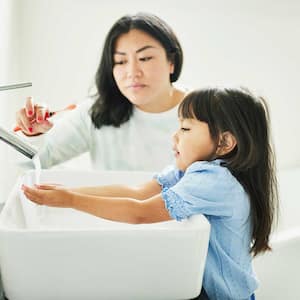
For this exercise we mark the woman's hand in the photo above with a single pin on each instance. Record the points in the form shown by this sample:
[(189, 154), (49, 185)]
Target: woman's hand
[(32, 119), (50, 195)]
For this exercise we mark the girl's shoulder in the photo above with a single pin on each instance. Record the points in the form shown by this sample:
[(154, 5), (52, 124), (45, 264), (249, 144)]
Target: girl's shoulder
[(213, 173), (214, 166)]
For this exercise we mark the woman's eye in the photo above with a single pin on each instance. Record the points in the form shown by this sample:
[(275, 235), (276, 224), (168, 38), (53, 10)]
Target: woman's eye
[(184, 129), (120, 62), (146, 58)]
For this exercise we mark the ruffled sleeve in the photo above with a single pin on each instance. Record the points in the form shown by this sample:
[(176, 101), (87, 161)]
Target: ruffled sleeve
[(205, 188), (168, 177)]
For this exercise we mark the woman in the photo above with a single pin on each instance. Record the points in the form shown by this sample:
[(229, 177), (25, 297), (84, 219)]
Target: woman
[(135, 109)]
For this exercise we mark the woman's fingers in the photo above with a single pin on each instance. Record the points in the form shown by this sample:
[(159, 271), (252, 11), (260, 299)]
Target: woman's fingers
[(33, 128), (41, 113), (20, 123), (32, 119), (29, 107), (23, 121), (42, 127)]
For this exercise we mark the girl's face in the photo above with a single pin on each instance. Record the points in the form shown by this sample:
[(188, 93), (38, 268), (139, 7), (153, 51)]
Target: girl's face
[(141, 69), (192, 142)]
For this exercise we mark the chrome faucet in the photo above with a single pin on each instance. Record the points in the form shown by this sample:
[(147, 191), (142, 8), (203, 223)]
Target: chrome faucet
[(15, 86), (11, 138), (16, 142)]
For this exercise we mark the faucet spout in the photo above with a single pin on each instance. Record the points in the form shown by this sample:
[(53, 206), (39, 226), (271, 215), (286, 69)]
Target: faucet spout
[(17, 143)]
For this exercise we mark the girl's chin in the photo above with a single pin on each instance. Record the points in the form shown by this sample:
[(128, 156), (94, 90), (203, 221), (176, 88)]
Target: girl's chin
[(180, 166)]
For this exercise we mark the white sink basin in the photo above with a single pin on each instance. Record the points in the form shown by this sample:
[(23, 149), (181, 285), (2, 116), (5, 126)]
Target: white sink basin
[(54, 253)]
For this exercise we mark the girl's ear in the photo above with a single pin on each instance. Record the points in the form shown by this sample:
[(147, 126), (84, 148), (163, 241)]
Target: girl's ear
[(227, 143)]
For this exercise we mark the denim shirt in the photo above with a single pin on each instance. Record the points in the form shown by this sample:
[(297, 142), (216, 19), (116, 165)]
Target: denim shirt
[(210, 189)]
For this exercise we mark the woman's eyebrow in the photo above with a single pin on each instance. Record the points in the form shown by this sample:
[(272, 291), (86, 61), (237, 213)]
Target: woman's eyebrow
[(137, 51), (144, 48)]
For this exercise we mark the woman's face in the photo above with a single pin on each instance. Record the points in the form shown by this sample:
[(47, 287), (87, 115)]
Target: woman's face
[(141, 69)]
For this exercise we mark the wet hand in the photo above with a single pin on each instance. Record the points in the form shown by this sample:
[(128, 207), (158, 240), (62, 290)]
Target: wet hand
[(50, 195), (32, 119)]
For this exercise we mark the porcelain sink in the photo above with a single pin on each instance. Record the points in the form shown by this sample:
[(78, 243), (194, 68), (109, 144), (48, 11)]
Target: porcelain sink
[(55, 253)]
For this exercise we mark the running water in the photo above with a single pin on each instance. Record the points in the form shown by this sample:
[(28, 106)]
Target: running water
[(40, 210), (37, 166)]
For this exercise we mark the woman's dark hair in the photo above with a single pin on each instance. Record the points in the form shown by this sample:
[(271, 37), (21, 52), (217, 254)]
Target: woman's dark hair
[(252, 161), (111, 107)]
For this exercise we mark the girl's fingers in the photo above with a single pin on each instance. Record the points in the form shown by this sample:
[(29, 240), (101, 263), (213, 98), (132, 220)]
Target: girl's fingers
[(28, 189), (48, 186), (32, 197), (45, 194), (33, 194)]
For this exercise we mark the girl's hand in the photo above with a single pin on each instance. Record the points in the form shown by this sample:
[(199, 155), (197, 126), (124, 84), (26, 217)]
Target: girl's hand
[(32, 119), (50, 195)]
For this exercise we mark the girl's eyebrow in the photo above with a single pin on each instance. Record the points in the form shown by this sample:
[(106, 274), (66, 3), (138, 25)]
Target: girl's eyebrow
[(137, 51), (188, 120)]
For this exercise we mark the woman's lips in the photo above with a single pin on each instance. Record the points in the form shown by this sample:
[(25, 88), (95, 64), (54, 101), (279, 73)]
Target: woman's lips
[(136, 86)]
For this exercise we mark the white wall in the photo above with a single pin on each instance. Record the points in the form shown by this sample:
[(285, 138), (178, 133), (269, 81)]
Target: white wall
[(57, 44), (9, 101)]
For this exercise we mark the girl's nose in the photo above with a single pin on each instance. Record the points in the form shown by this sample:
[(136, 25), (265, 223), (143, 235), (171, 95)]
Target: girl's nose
[(175, 137)]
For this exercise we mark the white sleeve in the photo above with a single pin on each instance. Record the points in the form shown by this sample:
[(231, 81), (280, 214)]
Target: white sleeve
[(68, 138)]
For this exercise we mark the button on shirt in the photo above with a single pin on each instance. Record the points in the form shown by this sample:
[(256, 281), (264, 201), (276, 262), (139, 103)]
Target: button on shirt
[(210, 189)]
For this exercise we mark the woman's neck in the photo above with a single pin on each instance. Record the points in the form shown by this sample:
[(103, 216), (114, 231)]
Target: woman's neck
[(165, 101)]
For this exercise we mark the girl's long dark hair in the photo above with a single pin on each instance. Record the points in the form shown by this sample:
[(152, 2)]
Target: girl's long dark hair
[(111, 107), (252, 161)]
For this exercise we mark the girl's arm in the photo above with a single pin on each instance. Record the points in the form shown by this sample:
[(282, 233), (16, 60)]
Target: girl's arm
[(120, 209), (140, 192), (126, 210)]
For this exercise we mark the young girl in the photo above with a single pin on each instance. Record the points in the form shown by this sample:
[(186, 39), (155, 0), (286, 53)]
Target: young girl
[(224, 170)]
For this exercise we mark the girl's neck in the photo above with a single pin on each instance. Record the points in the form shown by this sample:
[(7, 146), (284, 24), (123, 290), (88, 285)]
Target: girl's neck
[(165, 101)]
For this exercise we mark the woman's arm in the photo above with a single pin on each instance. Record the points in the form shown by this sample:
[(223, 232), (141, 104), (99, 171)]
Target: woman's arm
[(122, 209), (141, 192), (69, 137)]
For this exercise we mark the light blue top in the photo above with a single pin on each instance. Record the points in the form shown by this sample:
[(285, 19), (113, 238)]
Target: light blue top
[(210, 189)]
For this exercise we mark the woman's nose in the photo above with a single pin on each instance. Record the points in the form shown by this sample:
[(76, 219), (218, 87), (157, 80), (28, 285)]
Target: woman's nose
[(133, 69)]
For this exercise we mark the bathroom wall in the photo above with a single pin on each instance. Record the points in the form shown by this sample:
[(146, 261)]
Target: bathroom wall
[(57, 44), (9, 100)]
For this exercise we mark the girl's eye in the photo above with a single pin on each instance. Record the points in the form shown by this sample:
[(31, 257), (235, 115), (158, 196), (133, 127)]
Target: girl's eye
[(184, 129), (146, 58)]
